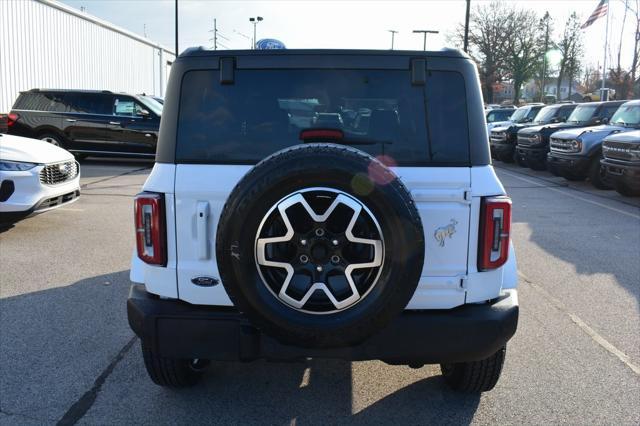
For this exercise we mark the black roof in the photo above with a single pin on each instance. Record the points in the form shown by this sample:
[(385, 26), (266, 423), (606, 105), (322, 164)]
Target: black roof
[(202, 51)]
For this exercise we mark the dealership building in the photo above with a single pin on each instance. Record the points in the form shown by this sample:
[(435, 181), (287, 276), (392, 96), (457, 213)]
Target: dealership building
[(46, 44)]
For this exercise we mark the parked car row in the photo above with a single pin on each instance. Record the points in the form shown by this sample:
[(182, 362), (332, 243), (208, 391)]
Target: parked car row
[(598, 140)]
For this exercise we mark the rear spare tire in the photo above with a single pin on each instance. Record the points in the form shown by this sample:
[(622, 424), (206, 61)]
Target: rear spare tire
[(320, 245)]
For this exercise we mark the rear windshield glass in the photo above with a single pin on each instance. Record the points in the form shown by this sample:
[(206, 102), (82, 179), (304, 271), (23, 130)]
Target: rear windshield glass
[(378, 111)]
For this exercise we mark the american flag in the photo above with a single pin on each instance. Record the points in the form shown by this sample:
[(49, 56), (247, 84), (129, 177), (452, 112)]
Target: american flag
[(601, 10)]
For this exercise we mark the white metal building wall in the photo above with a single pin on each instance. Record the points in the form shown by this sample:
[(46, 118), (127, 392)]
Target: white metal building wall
[(45, 44)]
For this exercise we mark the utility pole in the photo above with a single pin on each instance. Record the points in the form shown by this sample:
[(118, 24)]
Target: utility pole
[(177, 52), (215, 35), (393, 33), (424, 33), (544, 56), (255, 22), (466, 27)]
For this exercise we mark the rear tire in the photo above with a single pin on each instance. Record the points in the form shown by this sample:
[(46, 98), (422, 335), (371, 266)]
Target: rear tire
[(172, 372), (52, 139), (597, 175), (475, 376)]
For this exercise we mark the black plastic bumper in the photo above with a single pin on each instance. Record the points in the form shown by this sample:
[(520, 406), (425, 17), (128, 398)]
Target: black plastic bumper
[(573, 164), (625, 174), (180, 330), (537, 154), (498, 149)]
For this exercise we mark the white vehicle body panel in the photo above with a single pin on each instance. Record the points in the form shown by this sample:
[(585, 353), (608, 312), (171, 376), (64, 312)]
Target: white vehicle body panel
[(28, 190), (443, 195)]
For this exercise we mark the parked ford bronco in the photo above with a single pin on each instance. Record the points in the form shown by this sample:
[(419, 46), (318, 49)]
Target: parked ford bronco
[(503, 135), (576, 153), (324, 203), (533, 142), (621, 163), (548, 115)]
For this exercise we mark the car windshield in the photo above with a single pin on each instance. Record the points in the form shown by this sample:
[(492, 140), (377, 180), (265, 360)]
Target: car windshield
[(628, 115), (545, 115), (582, 113), (519, 114), (152, 104)]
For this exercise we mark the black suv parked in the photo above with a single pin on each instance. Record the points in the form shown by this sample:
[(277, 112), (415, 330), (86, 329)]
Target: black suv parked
[(503, 138), (533, 142), (88, 122), (550, 114)]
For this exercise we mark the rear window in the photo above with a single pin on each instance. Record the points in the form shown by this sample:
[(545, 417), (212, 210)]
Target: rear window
[(378, 111)]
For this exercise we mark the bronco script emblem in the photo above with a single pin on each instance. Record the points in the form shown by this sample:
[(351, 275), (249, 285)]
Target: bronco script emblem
[(440, 234)]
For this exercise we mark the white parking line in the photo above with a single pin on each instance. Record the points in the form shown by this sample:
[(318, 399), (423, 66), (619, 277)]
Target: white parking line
[(604, 343), (569, 194)]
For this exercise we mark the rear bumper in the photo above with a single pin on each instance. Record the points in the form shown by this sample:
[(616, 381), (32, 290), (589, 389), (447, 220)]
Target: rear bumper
[(625, 174), (180, 330), (574, 164)]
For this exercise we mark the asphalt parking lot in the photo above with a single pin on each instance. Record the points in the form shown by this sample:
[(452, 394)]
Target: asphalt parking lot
[(67, 354)]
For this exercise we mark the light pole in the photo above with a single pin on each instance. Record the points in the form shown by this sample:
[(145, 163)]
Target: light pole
[(424, 33), (177, 52), (466, 27), (393, 33), (255, 21)]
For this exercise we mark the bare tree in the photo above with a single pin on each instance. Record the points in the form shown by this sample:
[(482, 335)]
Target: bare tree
[(489, 31), (568, 47), (545, 28), (523, 49), (634, 6)]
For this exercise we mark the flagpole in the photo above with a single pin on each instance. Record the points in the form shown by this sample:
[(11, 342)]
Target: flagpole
[(604, 62)]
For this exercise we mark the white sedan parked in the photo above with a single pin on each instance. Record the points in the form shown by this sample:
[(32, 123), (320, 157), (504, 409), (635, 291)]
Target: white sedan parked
[(35, 176)]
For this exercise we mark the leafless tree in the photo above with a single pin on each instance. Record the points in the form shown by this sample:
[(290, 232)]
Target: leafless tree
[(570, 47), (489, 32), (524, 52)]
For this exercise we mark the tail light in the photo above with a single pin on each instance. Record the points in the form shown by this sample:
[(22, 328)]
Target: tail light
[(495, 226), (151, 236), (11, 119)]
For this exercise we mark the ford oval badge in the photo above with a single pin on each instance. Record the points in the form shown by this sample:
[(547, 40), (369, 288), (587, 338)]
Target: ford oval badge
[(205, 281), (269, 44)]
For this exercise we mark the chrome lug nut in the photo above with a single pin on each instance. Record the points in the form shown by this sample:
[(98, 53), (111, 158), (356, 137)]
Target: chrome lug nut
[(304, 258), (334, 242), (303, 242), (319, 268)]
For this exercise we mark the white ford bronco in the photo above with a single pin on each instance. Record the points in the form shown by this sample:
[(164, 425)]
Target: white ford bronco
[(328, 204)]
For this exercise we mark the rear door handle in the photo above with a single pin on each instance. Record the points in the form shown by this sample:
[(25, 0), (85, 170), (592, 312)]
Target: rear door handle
[(71, 120), (202, 218), (115, 123)]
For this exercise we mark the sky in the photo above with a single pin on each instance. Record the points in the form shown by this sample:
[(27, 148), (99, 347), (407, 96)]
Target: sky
[(358, 24)]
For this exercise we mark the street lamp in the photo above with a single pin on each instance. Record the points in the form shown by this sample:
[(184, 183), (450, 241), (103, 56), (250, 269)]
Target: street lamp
[(393, 33), (425, 32), (255, 21)]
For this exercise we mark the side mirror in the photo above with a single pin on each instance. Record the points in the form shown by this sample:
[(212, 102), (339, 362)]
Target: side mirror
[(604, 120), (144, 113)]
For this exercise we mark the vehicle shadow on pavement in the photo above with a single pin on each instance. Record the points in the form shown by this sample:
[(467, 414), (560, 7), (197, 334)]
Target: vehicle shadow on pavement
[(55, 343), (68, 353)]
